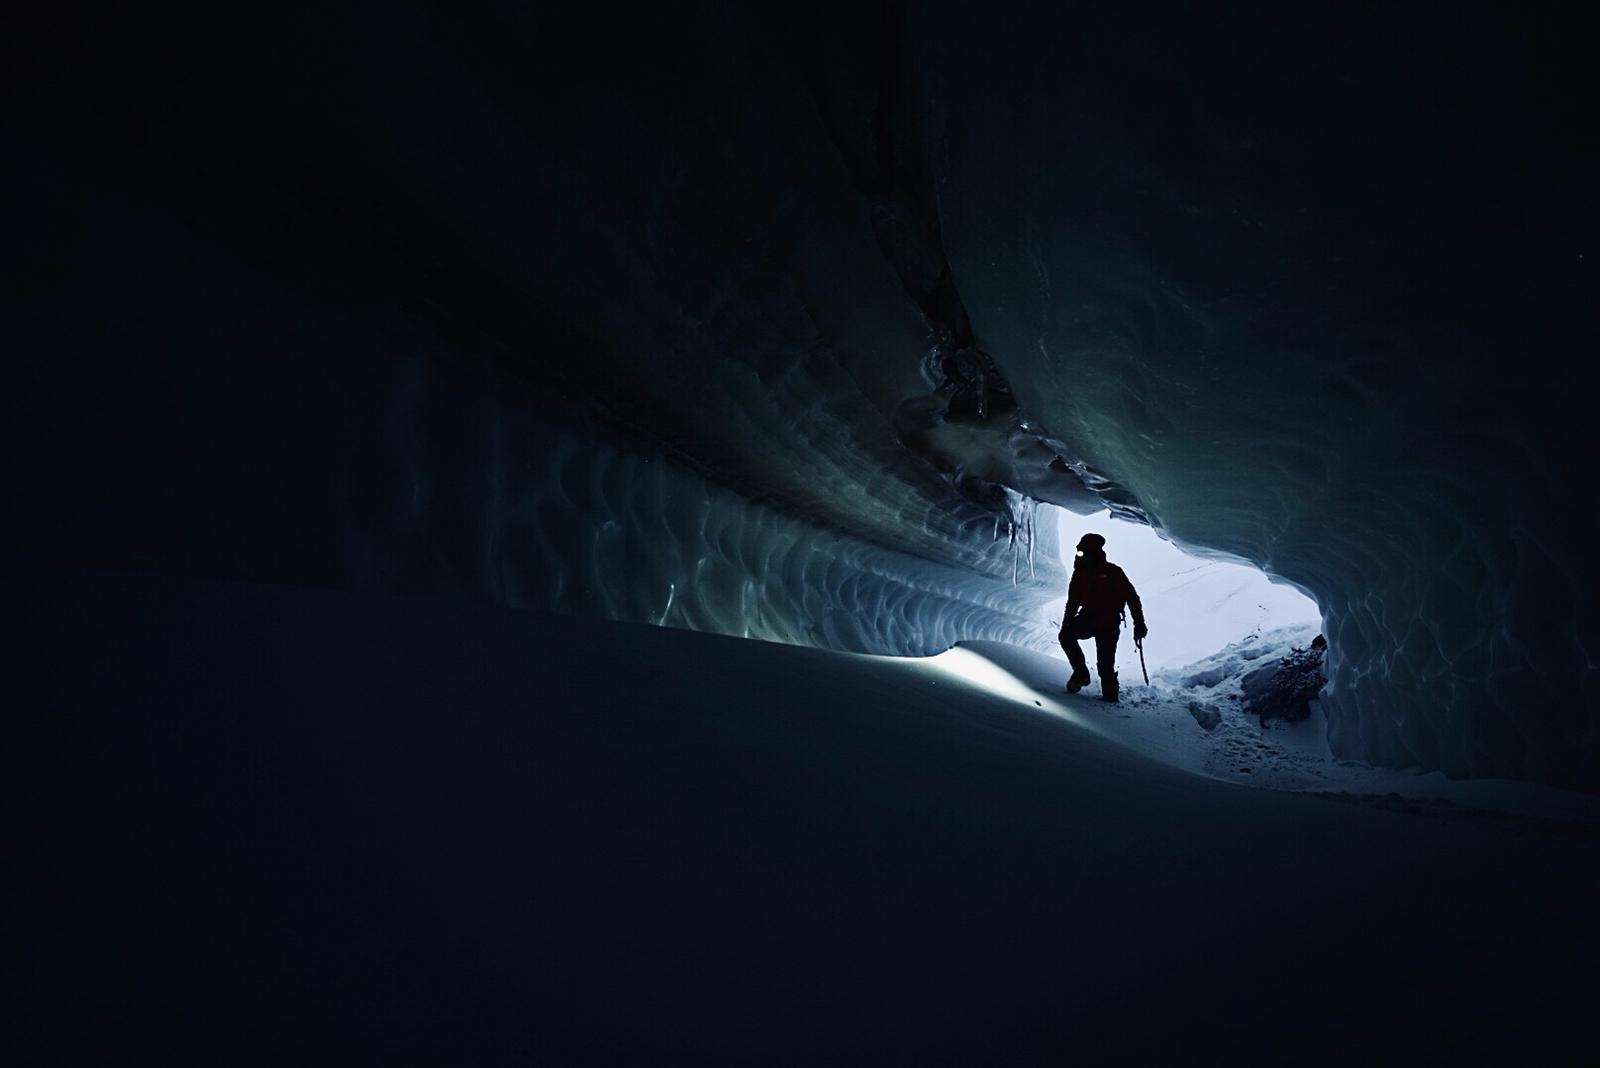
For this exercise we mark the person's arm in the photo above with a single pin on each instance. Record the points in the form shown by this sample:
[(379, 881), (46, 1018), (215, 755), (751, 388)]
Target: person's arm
[(1072, 602), (1134, 606)]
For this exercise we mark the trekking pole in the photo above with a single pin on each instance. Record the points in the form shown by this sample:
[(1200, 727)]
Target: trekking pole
[(1140, 646)]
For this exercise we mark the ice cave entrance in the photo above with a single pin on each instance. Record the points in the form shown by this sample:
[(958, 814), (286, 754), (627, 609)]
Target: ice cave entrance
[(1195, 606)]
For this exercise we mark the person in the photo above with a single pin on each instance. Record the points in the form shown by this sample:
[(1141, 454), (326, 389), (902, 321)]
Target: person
[(1095, 599)]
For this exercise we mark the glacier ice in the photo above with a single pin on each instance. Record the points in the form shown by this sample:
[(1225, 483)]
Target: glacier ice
[(790, 335)]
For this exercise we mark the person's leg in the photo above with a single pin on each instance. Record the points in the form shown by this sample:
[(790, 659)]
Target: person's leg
[(1080, 666), (1105, 654)]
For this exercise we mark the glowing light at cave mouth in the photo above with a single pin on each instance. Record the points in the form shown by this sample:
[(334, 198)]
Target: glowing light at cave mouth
[(1195, 606)]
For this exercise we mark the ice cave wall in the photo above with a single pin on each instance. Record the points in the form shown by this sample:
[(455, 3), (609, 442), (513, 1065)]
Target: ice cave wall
[(219, 432), (1278, 289), (411, 330), (427, 297)]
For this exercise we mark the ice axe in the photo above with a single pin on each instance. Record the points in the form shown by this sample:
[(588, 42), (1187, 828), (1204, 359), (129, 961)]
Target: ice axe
[(1138, 643)]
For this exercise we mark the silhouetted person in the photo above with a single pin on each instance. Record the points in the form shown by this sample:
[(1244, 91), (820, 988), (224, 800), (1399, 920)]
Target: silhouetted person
[(1095, 598)]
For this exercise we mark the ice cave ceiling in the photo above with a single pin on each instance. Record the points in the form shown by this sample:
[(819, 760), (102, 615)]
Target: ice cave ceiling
[(774, 321)]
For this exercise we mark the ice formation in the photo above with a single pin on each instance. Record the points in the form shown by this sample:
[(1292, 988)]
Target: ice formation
[(782, 323)]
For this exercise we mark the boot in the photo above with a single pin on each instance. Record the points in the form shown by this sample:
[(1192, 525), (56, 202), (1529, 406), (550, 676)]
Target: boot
[(1080, 679), (1108, 687)]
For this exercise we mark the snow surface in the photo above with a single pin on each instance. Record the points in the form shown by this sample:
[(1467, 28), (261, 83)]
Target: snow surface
[(272, 825), (1191, 717)]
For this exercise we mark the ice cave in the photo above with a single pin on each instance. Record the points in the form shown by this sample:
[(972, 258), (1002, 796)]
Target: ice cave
[(538, 534)]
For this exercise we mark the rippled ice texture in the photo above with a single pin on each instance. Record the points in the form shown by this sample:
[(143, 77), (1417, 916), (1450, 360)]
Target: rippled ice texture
[(603, 532), (344, 460)]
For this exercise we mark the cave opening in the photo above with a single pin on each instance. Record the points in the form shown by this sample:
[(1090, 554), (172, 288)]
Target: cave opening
[(1196, 605)]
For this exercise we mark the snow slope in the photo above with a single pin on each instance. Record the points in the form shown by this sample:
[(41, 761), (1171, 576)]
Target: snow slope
[(252, 824), (1166, 721)]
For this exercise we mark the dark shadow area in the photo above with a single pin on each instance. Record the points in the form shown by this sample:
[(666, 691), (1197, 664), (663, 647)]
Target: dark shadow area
[(343, 330), (254, 825)]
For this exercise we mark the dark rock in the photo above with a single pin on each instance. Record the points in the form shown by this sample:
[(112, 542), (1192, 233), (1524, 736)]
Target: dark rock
[(1284, 690), (1204, 714)]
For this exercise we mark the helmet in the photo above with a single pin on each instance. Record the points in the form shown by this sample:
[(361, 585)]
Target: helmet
[(1091, 543)]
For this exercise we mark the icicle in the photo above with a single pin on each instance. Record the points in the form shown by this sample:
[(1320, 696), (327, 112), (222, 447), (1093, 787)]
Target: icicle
[(1033, 517), (672, 591)]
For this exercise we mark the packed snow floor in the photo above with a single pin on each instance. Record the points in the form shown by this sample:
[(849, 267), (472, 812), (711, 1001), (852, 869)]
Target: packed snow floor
[(1192, 718), (250, 824)]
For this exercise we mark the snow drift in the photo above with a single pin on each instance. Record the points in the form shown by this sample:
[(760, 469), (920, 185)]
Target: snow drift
[(279, 825)]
